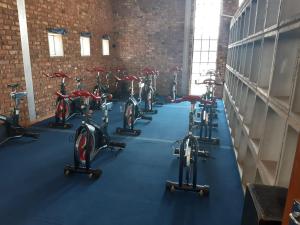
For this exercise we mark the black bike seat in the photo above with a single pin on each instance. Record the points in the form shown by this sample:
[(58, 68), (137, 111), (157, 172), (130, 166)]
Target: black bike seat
[(15, 85)]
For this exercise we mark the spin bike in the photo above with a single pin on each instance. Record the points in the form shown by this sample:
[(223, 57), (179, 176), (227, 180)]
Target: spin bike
[(175, 70), (99, 87), (206, 123), (154, 85), (188, 156), (132, 112), (10, 127), (209, 94), (121, 89), (147, 90), (66, 107), (90, 139)]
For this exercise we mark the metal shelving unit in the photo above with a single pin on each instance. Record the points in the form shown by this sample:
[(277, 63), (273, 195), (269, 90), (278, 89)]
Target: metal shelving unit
[(262, 89)]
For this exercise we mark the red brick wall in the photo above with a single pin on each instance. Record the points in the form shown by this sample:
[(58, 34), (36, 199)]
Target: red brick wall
[(11, 64), (229, 7), (146, 33), (150, 33), (76, 16)]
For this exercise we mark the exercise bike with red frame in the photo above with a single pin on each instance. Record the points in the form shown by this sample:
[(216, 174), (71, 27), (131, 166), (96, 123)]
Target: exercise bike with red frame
[(66, 106), (132, 112), (90, 139)]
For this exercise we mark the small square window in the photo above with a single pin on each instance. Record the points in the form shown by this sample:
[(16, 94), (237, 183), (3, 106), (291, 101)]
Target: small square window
[(85, 44), (55, 45), (105, 46)]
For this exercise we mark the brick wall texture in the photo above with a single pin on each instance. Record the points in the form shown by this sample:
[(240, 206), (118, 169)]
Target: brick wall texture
[(144, 33), (150, 33), (229, 7)]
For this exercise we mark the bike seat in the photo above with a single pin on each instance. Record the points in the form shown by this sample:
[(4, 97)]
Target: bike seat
[(131, 78), (57, 74), (15, 85)]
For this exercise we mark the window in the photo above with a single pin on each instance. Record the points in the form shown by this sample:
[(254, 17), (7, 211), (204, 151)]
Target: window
[(55, 45), (205, 41), (105, 46), (85, 46), (240, 2)]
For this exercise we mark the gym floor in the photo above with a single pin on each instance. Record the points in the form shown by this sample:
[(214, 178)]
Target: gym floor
[(131, 190)]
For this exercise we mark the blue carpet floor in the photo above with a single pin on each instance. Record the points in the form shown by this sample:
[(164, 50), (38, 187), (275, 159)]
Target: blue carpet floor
[(131, 190)]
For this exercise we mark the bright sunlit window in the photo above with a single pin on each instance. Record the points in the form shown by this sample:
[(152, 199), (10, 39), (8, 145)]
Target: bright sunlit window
[(85, 46), (207, 20), (55, 45), (105, 46)]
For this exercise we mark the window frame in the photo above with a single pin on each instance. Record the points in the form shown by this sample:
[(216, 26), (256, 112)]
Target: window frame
[(83, 48), (55, 43), (105, 47)]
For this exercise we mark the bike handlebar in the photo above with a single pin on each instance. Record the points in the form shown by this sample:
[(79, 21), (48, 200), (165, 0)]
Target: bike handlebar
[(79, 93), (193, 99), (128, 78), (209, 82), (97, 69)]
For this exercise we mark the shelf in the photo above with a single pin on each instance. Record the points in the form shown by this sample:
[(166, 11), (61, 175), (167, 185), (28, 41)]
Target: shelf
[(252, 16), (256, 60), (262, 91), (235, 129), (242, 105), (285, 64), (237, 92), (249, 168), (234, 87), (242, 24), (247, 22), (258, 121), (239, 58), (258, 179), (242, 149), (261, 15), (247, 70), (237, 136), (243, 59), (266, 63), (272, 13), (249, 108), (288, 154), (290, 10), (296, 99), (268, 171), (270, 149)]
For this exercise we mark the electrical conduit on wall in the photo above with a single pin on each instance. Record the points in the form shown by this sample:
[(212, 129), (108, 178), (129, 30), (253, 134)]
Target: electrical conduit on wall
[(26, 58)]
